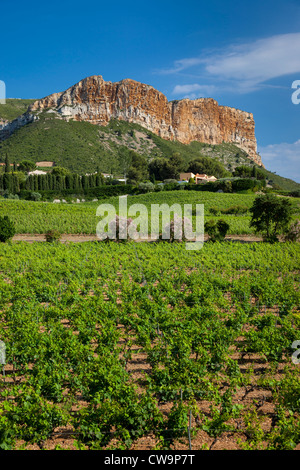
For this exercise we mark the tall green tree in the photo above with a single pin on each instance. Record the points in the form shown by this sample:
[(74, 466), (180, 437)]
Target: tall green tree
[(175, 165), (27, 165), (60, 171), (125, 159), (7, 164), (162, 168), (271, 216), (138, 170)]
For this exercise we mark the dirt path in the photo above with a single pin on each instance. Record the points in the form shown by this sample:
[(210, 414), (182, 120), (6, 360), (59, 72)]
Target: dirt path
[(77, 238)]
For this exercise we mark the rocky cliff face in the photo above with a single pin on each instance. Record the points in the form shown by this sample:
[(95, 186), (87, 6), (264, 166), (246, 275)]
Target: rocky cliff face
[(203, 120), (8, 127)]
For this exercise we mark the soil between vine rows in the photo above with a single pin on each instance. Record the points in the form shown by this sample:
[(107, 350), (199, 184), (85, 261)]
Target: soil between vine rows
[(77, 238)]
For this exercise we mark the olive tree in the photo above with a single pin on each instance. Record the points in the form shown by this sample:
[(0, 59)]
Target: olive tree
[(271, 216)]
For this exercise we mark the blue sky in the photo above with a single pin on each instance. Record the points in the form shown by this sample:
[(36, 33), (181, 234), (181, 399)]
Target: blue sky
[(243, 54)]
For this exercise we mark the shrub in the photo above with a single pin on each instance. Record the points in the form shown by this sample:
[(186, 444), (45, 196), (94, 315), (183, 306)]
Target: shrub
[(117, 228), (271, 216), (293, 235), (8, 195), (146, 187), (216, 230), (294, 193), (52, 236), (35, 196), (7, 228), (246, 184), (121, 223), (235, 210), (176, 229), (170, 181)]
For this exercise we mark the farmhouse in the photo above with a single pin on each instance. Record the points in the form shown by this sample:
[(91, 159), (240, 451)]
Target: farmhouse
[(199, 179), (37, 172), (186, 176)]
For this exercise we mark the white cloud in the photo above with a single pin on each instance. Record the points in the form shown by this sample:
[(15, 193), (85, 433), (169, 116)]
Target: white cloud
[(182, 64), (283, 158), (188, 91), (246, 67), (256, 63)]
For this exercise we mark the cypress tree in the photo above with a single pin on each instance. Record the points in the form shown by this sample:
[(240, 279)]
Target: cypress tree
[(46, 182), (92, 181), (7, 164), (7, 182), (78, 183), (49, 179), (40, 182), (99, 179), (57, 183), (15, 184), (85, 182), (69, 181), (36, 182), (27, 184), (254, 172), (52, 182), (32, 183)]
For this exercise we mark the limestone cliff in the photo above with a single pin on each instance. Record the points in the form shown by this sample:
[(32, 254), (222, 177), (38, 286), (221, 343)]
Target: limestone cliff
[(8, 127), (203, 120)]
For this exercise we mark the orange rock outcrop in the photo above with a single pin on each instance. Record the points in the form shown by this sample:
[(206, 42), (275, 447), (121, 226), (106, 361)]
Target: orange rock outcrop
[(203, 119)]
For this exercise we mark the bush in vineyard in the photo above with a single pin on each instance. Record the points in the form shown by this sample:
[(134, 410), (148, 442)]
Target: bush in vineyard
[(177, 229), (271, 216), (293, 235), (52, 236), (216, 230), (7, 228), (119, 226)]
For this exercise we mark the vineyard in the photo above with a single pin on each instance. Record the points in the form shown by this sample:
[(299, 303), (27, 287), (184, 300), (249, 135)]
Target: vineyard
[(39, 217), (150, 346)]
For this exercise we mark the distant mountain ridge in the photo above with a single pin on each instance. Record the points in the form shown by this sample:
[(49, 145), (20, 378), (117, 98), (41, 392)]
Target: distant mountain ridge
[(96, 101)]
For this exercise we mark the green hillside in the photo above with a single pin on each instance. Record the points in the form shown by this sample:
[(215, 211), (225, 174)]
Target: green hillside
[(81, 146), (13, 108), (85, 147), (285, 183)]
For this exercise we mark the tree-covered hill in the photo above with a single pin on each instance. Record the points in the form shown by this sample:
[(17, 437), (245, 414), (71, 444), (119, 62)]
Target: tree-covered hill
[(84, 147)]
